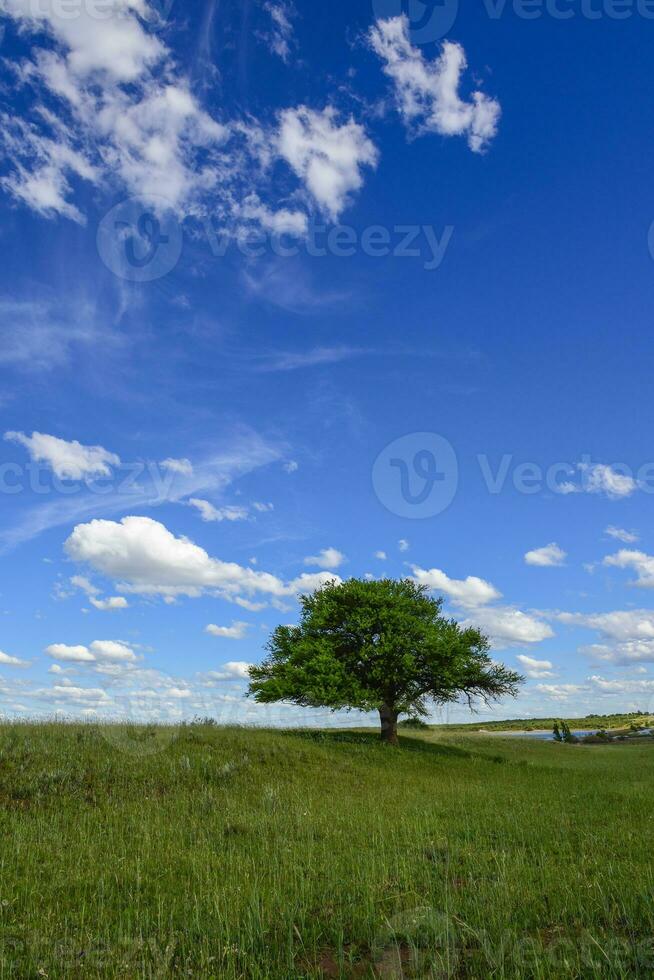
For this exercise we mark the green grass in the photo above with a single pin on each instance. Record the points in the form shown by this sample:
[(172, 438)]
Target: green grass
[(248, 854)]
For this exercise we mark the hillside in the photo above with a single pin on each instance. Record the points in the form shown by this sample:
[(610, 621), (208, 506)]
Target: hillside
[(205, 852), (535, 724)]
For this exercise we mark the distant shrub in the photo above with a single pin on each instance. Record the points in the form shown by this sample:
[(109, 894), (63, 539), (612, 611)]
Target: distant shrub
[(562, 733), (413, 722)]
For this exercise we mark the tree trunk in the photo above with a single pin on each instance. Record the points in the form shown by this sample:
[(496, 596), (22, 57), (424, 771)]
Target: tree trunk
[(388, 725)]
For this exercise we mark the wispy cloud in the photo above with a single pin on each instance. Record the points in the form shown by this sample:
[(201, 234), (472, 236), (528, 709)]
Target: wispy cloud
[(297, 360)]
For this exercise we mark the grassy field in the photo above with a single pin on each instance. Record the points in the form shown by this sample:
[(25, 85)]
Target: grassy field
[(208, 852)]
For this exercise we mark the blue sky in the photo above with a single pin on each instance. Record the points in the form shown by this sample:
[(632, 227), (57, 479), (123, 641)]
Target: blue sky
[(296, 291)]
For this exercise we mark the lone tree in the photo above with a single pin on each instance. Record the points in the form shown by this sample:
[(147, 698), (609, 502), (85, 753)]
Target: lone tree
[(378, 646)]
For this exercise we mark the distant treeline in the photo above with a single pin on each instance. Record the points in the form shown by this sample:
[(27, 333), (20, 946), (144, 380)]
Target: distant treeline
[(535, 724)]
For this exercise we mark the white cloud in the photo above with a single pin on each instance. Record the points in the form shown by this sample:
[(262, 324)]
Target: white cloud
[(68, 693), (642, 564), (535, 669), (234, 670), (100, 651), (210, 514), (403, 544), (237, 631), (183, 466), (327, 558), (551, 556), (327, 156), (509, 627), (280, 36), (42, 336), (83, 583), (561, 692), (381, 555), (468, 592), (237, 668), (627, 537), (109, 104), (427, 92), (309, 582), (106, 102), (599, 478), (291, 466), (68, 460), (111, 604), (598, 686), (262, 508), (8, 661), (621, 686), (97, 40), (626, 636), (606, 480), (620, 625), (72, 654), (504, 625), (149, 560)]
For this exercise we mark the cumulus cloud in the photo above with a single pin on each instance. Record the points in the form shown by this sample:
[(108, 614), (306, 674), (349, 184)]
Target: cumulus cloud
[(234, 670), (100, 651), (67, 460), (85, 584), (535, 669), (626, 636), (403, 544), (619, 533), (327, 558), (107, 103), (70, 694), (326, 155), (237, 631), (551, 556), (504, 625), (601, 479), (110, 604), (561, 692), (148, 559), (642, 564), (471, 591), (507, 626), (6, 660), (121, 48), (598, 686), (121, 110), (181, 466), (427, 92), (211, 514)]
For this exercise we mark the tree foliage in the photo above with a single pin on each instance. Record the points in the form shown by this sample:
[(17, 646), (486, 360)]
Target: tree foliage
[(378, 646)]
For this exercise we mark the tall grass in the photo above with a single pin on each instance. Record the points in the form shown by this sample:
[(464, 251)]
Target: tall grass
[(207, 852)]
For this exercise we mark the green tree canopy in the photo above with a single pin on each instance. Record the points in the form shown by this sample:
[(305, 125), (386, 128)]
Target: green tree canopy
[(378, 646)]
